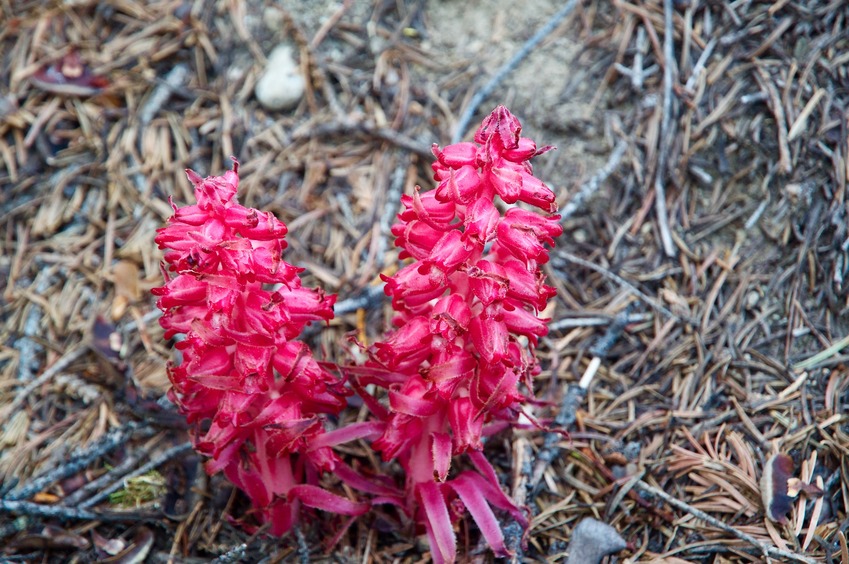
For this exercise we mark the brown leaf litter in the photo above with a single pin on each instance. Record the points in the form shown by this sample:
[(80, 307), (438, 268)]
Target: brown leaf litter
[(708, 142)]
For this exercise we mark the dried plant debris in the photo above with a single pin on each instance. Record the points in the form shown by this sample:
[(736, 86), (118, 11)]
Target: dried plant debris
[(738, 341), (779, 487), (69, 76)]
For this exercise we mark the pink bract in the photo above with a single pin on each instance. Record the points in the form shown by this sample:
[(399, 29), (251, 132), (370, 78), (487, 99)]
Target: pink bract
[(254, 397), (467, 318)]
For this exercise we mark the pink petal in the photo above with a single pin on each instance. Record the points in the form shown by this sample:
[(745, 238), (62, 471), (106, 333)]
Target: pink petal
[(500, 125), (481, 222), (368, 485), (489, 482), (368, 430), (437, 522), (467, 424), (448, 252), (411, 405), (489, 338), (441, 455), (456, 155), (319, 498), (475, 501)]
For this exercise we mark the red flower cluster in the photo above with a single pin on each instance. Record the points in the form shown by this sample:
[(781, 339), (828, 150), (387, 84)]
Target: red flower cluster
[(254, 396), (467, 324)]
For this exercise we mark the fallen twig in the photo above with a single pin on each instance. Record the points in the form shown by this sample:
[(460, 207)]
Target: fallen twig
[(80, 459), (173, 80), (593, 184), (666, 134), (22, 395), (144, 469), (508, 67), (371, 297), (235, 554), (575, 395), (30, 509), (573, 322), (765, 549), (560, 256)]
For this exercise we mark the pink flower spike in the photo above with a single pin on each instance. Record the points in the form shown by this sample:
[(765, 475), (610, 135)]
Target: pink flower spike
[(467, 317), (255, 399)]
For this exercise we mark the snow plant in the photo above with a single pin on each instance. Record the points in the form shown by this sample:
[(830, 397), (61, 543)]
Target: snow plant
[(467, 317), (457, 366), (254, 397)]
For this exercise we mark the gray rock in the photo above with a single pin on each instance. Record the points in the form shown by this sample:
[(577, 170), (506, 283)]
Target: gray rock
[(281, 85), (592, 540)]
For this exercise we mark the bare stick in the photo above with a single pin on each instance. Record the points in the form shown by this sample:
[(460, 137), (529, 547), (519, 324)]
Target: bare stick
[(25, 392), (27, 345), (562, 256), (665, 135), (235, 554), (69, 513), (564, 419), (80, 459), (574, 322), (393, 197), (508, 67), (95, 486), (699, 514), (173, 80), (144, 469), (593, 184), (575, 395), (368, 299)]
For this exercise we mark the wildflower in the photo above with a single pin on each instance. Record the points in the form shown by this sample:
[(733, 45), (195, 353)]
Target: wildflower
[(467, 323), (255, 398)]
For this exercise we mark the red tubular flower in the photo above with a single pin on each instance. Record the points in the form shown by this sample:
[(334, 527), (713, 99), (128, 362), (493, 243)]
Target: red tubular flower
[(254, 397), (467, 317)]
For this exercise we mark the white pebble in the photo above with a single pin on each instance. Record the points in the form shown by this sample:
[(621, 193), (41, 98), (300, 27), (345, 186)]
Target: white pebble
[(281, 85)]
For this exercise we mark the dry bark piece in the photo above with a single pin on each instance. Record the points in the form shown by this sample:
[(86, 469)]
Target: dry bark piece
[(69, 76), (779, 487), (109, 546), (778, 470), (51, 538), (137, 552), (592, 540)]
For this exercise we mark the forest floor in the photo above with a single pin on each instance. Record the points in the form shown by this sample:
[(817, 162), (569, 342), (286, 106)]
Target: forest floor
[(700, 169)]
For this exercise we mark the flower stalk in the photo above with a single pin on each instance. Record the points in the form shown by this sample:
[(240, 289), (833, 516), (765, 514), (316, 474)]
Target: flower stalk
[(255, 397), (457, 367), (467, 317)]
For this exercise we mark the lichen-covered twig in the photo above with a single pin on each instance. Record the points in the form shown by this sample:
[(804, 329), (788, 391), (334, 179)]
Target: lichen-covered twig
[(561, 257), (158, 461), (30, 509), (22, 395), (80, 459)]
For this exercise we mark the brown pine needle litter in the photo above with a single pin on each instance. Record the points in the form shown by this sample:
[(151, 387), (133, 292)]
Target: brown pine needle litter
[(702, 161)]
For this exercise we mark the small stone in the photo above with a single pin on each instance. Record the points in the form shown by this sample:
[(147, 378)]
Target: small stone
[(752, 299), (592, 540), (281, 85)]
